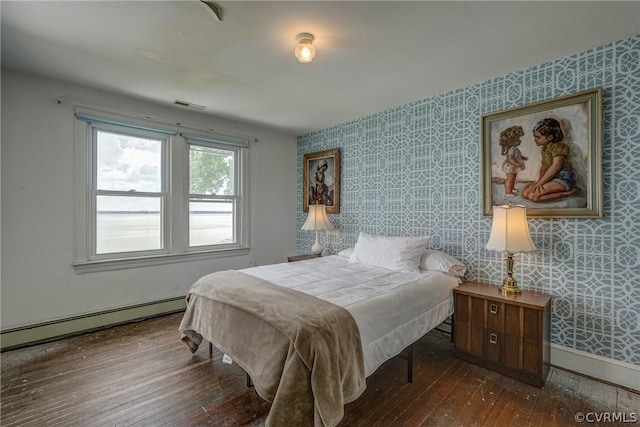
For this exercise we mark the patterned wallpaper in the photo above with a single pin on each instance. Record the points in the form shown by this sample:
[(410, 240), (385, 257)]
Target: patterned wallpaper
[(415, 170)]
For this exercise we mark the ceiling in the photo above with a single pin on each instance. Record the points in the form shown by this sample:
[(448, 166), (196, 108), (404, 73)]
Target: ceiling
[(370, 55)]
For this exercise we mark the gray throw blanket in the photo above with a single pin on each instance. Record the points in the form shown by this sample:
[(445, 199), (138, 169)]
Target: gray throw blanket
[(303, 354)]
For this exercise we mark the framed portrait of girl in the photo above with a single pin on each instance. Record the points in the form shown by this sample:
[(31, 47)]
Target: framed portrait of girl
[(546, 156), (321, 180)]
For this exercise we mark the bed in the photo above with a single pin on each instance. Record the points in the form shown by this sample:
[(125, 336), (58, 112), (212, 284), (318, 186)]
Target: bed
[(371, 313)]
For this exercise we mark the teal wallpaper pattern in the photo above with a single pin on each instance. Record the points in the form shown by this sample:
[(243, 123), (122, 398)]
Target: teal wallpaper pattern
[(415, 170)]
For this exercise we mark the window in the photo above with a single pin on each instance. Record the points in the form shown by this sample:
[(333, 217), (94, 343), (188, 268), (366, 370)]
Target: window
[(155, 195), (213, 195), (128, 193)]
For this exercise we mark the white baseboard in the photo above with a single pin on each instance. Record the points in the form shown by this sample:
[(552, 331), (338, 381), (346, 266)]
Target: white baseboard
[(605, 369), (33, 334)]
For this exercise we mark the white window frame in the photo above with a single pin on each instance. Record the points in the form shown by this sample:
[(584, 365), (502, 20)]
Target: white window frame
[(175, 190), (236, 198), (163, 194)]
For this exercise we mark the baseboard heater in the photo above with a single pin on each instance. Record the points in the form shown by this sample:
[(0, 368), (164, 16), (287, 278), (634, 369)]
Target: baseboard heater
[(24, 336)]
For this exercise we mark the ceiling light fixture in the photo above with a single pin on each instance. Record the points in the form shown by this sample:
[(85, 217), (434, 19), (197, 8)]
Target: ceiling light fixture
[(305, 52)]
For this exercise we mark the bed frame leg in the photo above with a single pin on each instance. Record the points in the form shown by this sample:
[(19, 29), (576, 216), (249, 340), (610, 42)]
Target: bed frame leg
[(249, 382), (453, 323), (410, 364), (408, 356)]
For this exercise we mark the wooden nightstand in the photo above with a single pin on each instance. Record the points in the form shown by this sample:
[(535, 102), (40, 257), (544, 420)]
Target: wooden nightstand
[(301, 257), (509, 334)]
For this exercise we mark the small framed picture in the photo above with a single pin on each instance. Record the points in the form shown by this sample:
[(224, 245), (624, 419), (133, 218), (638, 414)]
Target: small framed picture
[(321, 180), (546, 156)]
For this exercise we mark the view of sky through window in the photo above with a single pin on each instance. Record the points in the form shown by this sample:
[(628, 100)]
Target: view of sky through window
[(128, 163)]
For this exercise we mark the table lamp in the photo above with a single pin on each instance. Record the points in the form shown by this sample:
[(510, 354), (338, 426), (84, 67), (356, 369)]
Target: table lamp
[(317, 220), (510, 234)]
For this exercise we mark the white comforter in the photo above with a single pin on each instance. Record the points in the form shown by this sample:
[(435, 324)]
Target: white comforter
[(392, 309)]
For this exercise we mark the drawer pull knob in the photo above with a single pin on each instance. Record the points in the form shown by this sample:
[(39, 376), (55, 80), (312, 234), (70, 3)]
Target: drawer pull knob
[(493, 338), (493, 308)]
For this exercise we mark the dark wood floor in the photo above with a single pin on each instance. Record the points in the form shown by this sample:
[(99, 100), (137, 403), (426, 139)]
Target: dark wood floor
[(142, 375)]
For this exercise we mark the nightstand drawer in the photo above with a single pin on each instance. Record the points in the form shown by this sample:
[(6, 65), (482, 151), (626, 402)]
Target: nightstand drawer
[(493, 345), (495, 315)]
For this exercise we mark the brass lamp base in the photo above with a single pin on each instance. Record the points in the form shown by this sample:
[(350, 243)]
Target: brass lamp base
[(509, 284), (509, 287)]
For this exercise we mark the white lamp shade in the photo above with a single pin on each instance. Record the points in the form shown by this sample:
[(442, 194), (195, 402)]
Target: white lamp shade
[(317, 219), (510, 231)]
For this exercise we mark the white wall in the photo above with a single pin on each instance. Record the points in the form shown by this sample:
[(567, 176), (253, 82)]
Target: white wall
[(38, 282)]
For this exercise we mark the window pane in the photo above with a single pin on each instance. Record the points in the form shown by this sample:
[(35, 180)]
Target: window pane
[(210, 170), (126, 224), (128, 163), (210, 223)]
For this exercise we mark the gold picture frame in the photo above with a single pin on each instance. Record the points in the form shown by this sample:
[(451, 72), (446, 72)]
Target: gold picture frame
[(546, 156), (321, 180)]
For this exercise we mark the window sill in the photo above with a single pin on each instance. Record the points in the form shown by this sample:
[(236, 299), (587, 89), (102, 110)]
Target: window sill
[(124, 263)]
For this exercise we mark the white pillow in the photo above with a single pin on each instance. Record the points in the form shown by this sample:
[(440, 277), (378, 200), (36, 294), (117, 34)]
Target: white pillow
[(346, 253), (439, 261), (394, 253)]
